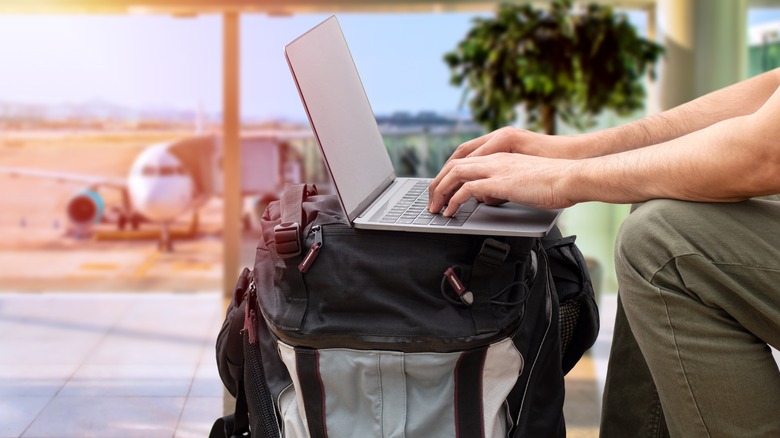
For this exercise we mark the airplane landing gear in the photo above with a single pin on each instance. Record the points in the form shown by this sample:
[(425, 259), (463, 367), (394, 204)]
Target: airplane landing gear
[(165, 244), (124, 218)]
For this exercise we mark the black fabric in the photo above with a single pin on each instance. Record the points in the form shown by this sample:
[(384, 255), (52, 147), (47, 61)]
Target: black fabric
[(570, 314), (223, 427), (263, 422), (229, 347), (491, 256), (241, 368), (536, 401), (292, 215), (468, 394), (262, 413), (378, 289), (297, 299), (579, 312), (308, 368)]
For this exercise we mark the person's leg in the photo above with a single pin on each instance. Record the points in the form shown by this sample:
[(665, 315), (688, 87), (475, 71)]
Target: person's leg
[(630, 405), (700, 286)]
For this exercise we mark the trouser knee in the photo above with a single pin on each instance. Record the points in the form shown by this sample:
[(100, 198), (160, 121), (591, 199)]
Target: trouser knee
[(651, 235)]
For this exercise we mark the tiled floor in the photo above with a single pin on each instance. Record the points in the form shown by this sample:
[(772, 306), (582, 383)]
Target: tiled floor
[(108, 365), (142, 365)]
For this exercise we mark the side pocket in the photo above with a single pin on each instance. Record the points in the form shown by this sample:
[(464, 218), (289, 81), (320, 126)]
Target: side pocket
[(229, 347), (579, 315), (262, 414), (292, 423), (503, 365)]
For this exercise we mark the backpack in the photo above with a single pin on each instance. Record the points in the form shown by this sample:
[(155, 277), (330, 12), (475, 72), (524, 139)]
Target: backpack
[(343, 332)]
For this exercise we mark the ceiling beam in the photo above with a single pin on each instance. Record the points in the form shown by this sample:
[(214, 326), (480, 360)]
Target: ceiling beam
[(274, 7)]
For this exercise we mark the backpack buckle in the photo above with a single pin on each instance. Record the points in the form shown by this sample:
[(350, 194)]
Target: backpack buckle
[(493, 252), (288, 239)]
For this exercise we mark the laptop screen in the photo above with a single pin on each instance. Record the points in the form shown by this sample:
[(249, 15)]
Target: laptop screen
[(340, 115)]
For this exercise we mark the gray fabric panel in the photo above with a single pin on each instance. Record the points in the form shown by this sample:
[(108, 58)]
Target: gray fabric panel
[(391, 395), (393, 384), (292, 423), (353, 392), (388, 394), (430, 391), (503, 365), (296, 415)]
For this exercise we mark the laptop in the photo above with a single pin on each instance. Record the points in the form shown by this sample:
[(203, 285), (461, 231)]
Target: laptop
[(356, 158)]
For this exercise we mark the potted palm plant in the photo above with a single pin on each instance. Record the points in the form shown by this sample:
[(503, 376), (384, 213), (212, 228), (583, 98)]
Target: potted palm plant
[(557, 63)]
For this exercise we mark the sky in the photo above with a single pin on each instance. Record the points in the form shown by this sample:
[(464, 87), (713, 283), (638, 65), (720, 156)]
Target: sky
[(167, 62)]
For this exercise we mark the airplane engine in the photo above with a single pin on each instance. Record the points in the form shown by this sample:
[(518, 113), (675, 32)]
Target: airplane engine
[(85, 208)]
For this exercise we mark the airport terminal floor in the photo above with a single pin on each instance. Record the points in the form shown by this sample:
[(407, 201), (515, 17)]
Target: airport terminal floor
[(127, 365)]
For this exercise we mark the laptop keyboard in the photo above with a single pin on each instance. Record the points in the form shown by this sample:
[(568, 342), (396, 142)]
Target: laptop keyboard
[(413, 209)]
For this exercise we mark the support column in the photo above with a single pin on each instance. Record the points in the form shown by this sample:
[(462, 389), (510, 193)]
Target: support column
[(706, 47), (231, 156), (231, 151)]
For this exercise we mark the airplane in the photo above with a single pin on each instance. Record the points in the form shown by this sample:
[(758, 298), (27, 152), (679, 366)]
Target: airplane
[(167, 180)]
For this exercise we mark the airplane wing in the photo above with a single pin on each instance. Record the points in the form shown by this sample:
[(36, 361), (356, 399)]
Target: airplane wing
[(90, 180)]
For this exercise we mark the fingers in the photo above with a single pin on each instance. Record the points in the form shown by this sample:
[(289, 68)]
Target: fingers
[(438, 194), (465, 149), (451, 180), (459, 197), (479, 189), (434, 204), (495, 142), (500, 141)]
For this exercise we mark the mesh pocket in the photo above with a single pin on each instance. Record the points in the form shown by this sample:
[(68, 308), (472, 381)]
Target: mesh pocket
[(262, 416), (570, 316)]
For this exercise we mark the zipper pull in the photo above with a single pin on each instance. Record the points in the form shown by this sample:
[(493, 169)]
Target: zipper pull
[(250, 322), (467, 297), (252, 286), (250, 315), (313, 251)]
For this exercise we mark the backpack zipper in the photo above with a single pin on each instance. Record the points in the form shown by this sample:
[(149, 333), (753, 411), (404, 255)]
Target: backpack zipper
[(250, 315), (313, 251)]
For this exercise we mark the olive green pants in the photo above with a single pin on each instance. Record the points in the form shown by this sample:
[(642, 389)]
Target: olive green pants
[(699, 304)]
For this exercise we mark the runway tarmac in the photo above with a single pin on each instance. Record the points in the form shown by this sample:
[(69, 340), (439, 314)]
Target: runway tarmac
[(50, 261)]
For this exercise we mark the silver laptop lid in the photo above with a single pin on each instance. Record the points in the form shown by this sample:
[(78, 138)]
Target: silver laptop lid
[(340, 115)]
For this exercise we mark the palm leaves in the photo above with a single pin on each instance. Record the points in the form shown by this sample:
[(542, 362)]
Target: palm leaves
[(555, 63)]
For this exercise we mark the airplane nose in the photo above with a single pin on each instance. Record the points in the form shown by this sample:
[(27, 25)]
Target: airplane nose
[(163, 200)]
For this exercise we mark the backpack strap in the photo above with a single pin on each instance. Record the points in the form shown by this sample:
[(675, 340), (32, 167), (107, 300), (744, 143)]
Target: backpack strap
[(256, 395), (469, 406), (289, 245), (492, 254), (236, 424)]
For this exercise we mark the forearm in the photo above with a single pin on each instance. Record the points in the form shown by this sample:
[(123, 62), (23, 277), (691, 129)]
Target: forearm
[(725, 147), (736, 100), (729, 161)]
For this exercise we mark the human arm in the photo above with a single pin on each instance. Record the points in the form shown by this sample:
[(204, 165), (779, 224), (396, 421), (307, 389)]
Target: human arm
[(736, 100), (730, 159)]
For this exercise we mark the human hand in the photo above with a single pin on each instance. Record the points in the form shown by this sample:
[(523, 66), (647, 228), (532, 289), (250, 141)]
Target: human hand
[(520, 141), (525, 179), (504, 140)]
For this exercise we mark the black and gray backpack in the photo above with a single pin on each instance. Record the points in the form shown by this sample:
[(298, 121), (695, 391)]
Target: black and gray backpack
[(339, 332)]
